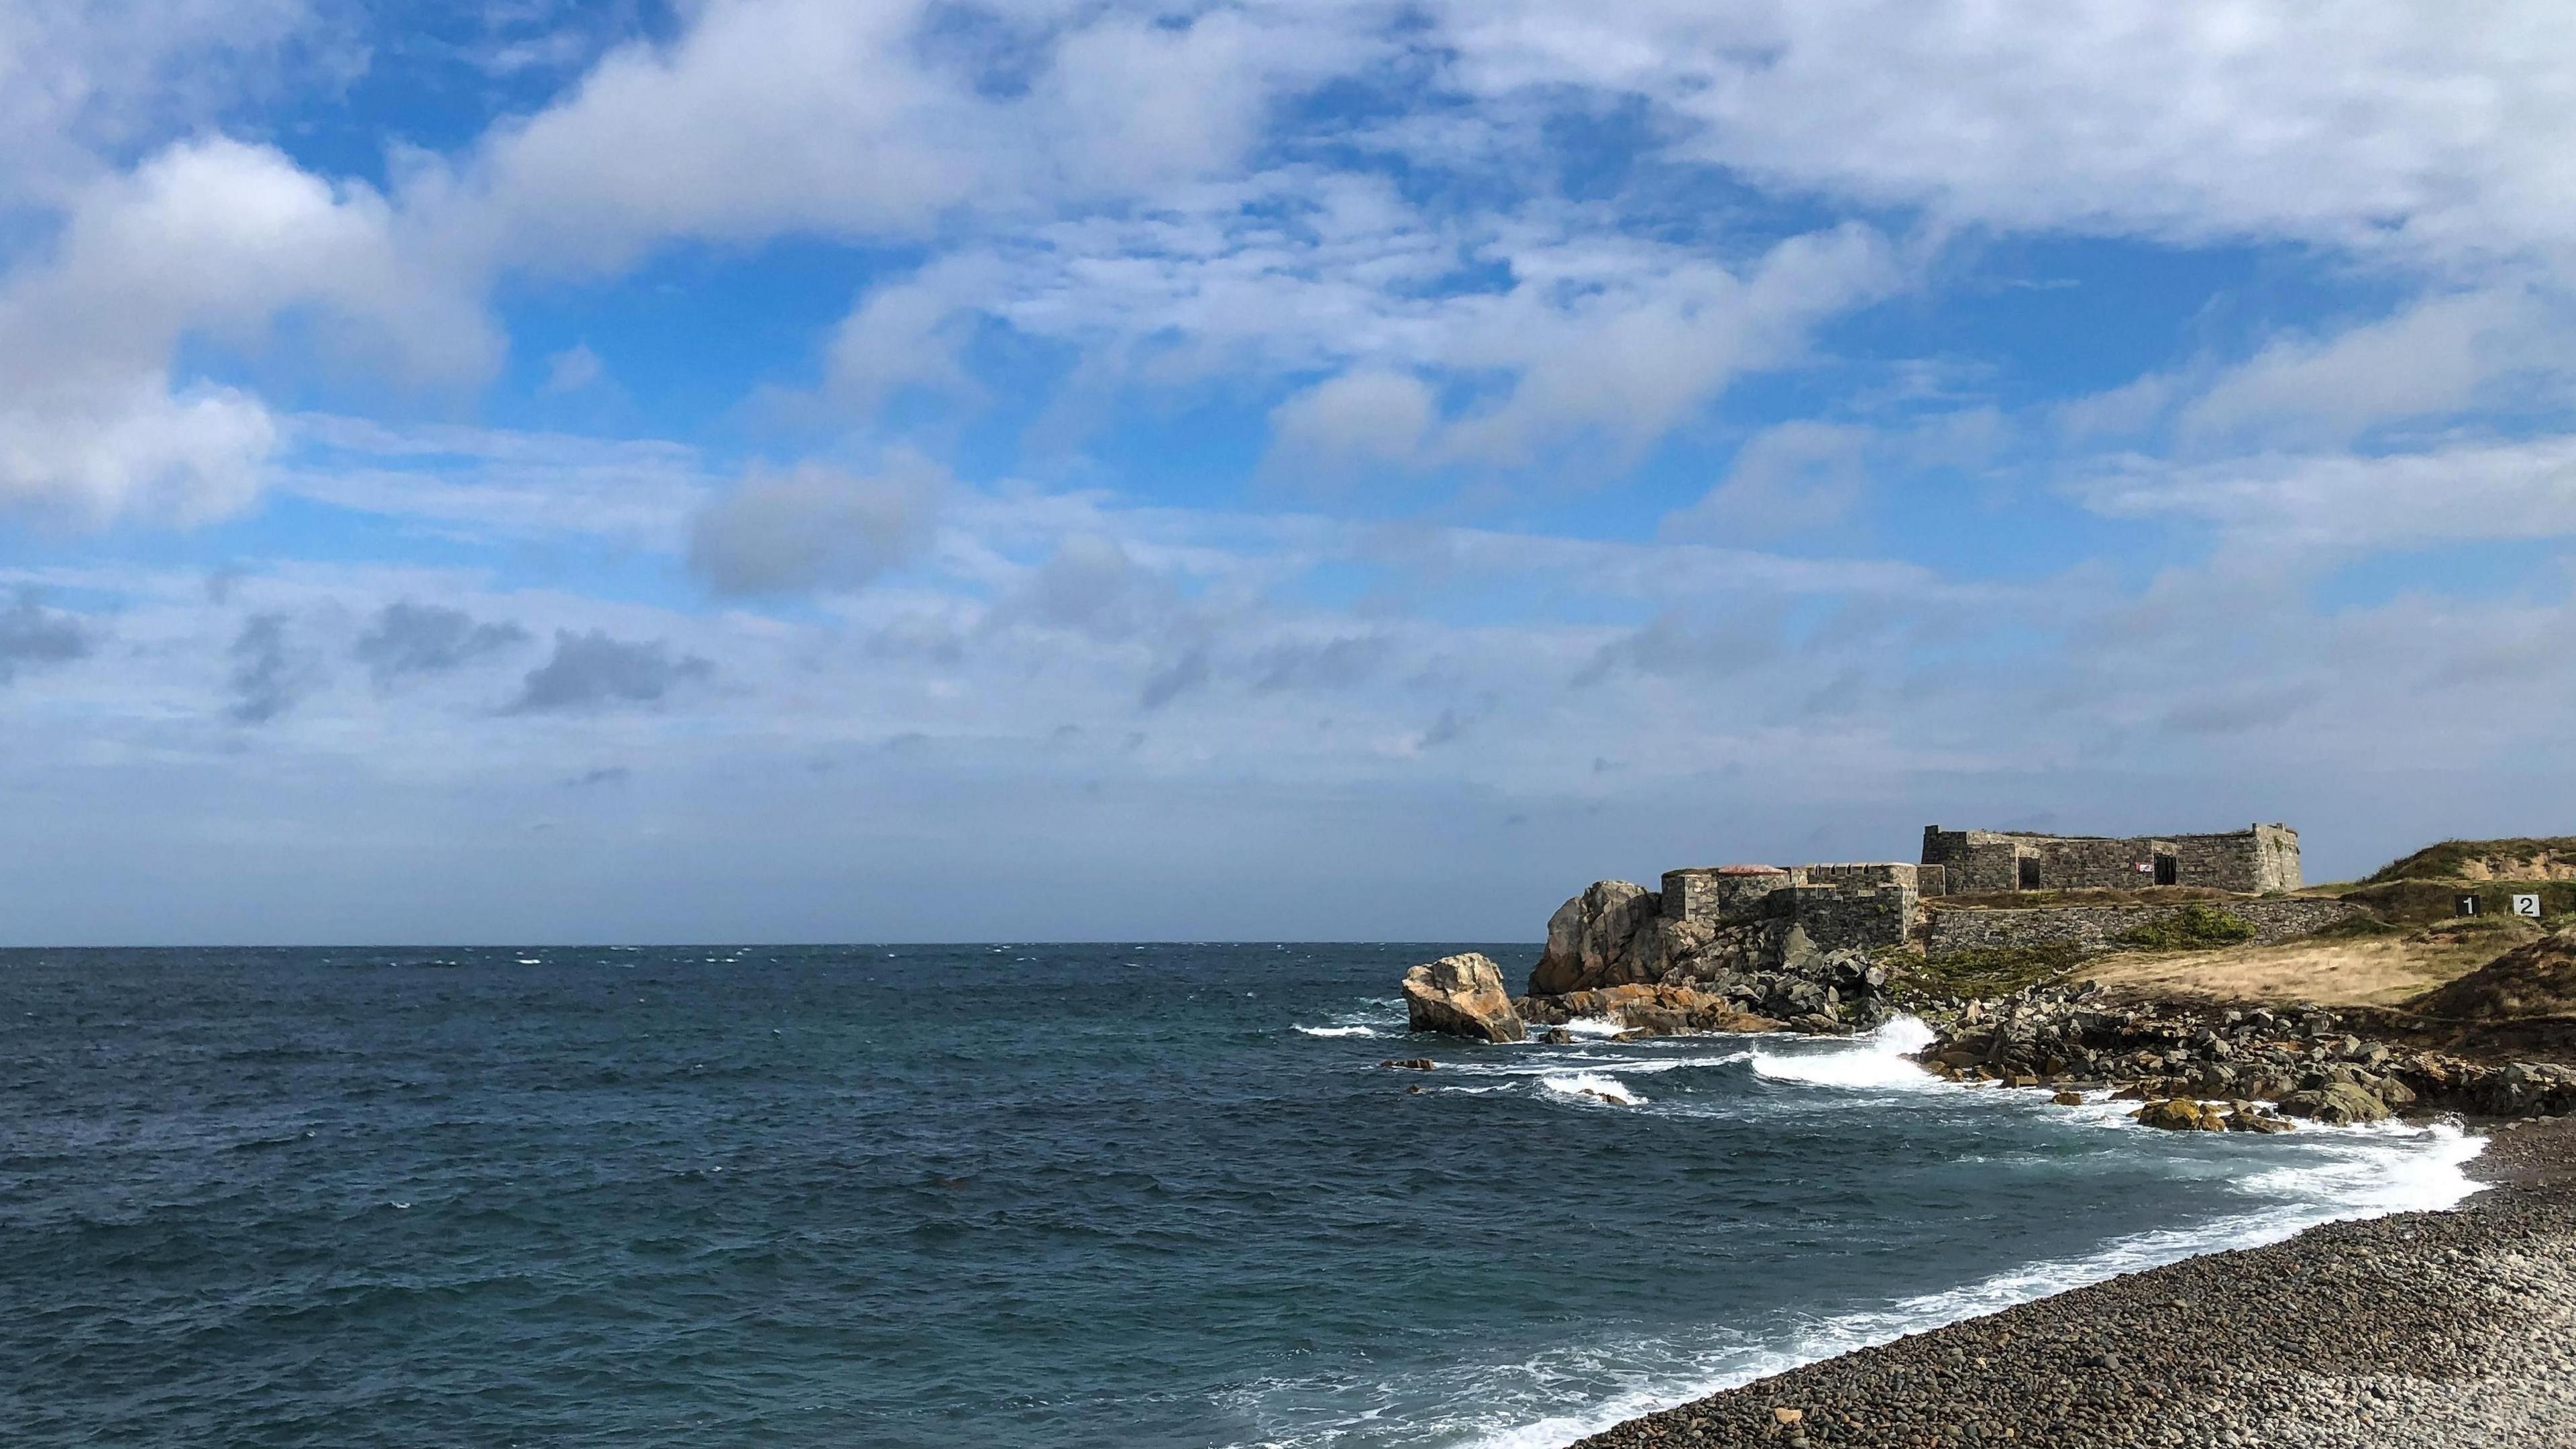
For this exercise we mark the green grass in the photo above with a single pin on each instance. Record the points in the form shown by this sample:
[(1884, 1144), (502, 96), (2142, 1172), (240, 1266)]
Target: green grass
[(2443, 861), (1996, 971), (2193, 928), (2436, 902)]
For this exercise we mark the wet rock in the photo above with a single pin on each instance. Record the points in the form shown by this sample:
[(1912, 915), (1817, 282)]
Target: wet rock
[(1410, 1064), (2338, 1105), (2179, 1114), (1462, 996)]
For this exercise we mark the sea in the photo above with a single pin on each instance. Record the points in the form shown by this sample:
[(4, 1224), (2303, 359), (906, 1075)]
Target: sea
[(1024, 1195)]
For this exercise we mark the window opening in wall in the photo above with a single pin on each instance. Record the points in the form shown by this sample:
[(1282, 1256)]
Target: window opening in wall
[(2029, 873), (2165, 869)]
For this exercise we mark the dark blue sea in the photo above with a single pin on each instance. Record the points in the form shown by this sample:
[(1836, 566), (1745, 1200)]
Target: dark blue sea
[(1013, 1195)]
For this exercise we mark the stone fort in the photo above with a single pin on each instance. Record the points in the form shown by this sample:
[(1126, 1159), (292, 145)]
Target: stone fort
[(1709, 921), (1878, 904)]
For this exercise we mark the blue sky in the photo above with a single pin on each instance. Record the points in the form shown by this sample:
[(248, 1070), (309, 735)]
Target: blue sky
[(767, 469)]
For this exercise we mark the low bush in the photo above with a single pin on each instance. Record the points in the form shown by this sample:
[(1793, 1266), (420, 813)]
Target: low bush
[(2193, 928), (1994, 971)]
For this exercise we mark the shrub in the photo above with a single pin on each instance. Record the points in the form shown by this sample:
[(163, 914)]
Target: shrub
[(2193, 928), (1994, 971)]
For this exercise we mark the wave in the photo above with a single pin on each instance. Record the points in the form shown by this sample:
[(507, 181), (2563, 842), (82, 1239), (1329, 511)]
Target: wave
[(1338, 1030), (1593, 1086), (1880, 1060), (1581, 1387)]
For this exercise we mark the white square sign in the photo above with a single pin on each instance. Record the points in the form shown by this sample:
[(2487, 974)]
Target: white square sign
[(2527, 906)]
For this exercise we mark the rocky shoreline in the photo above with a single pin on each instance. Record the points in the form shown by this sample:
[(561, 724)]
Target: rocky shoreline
[(2439, 1329), (2195, 1066)]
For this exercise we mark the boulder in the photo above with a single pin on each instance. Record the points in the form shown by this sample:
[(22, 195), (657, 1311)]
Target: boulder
[(1462, 996), (2338, 1105), (2179, 1114)]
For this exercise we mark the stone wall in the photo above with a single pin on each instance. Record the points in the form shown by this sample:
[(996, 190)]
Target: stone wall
[(2092, 863), (2096, 929), (2252, 861), (1721, 892)]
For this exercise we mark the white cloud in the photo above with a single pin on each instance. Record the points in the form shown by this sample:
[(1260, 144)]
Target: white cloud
[(815, 526), (1349, 423), (573, 369), (770, 117), (1788, 477), (81, 80), (207, 238), (2384, 126), (2438, 356), (2283, 507)]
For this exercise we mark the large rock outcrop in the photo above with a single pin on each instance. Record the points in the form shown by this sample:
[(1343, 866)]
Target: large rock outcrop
[(1592, 940), (1462, 996), (1732, 937)]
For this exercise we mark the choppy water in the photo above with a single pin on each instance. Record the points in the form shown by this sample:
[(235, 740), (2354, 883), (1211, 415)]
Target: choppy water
[(1080, 1195)]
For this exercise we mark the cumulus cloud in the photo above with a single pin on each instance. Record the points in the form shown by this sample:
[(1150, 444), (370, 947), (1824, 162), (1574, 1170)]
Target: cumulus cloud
[(412, 638), (210, 238), (32, 635), (816, 526), (591, 671)]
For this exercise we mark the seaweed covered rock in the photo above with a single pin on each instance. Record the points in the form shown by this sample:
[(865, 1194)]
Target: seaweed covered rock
[(1462, 996)]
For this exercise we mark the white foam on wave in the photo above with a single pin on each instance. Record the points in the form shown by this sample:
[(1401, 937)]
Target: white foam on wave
[(1592, 1087), (1374, 1016), (1595, 1026), (2314, 1176), (2368, 1173), (1879, 1060), (1557, 1063)]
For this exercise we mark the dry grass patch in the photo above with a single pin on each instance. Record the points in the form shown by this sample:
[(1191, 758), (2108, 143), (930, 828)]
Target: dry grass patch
[(2345, 971)]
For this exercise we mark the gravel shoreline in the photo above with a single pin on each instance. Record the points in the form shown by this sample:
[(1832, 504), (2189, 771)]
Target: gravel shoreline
[(2452, 1328)]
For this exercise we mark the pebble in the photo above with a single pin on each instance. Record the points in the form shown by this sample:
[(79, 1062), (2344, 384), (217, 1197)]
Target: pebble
[(2362, 1335)]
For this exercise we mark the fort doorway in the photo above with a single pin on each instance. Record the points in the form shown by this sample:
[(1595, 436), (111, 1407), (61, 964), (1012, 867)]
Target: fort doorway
[(2030, 872), (2165, 869)]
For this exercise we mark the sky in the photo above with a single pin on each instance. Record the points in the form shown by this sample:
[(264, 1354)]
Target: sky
[(825, 470)]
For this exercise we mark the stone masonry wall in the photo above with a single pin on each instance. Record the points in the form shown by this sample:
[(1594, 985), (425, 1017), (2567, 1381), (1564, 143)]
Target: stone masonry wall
[(2080, 864), (2095, 929), (1837, 916), (2252, 861)]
